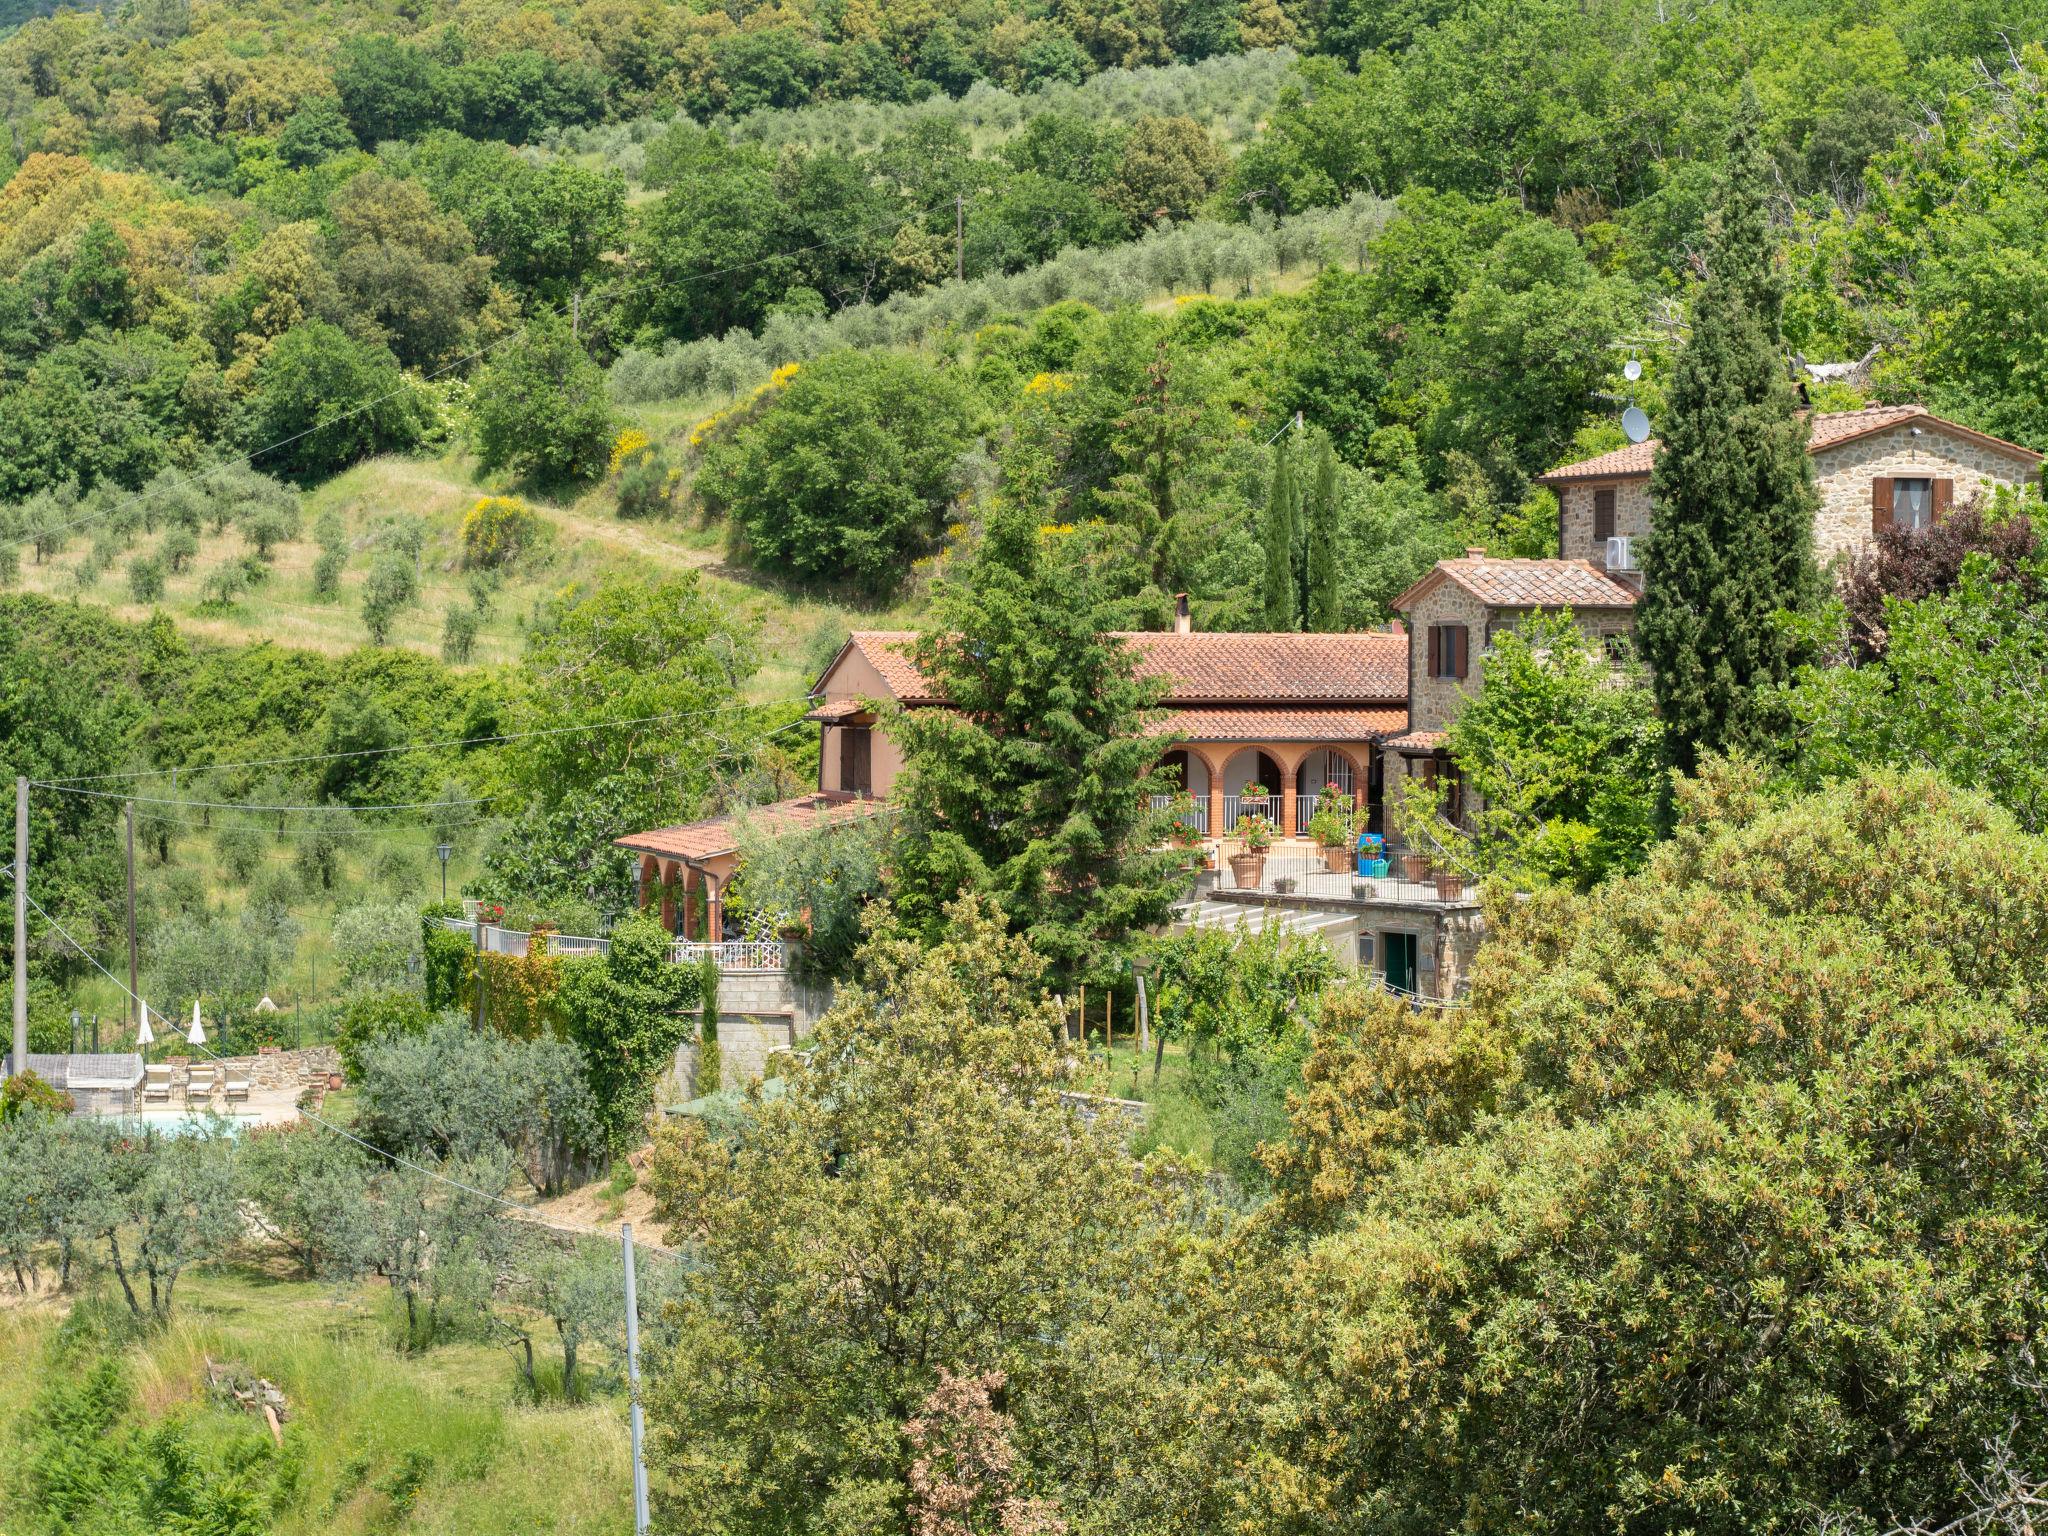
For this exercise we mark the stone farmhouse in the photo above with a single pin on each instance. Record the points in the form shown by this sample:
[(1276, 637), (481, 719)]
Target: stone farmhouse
[(1887, 466), (1300, 715)]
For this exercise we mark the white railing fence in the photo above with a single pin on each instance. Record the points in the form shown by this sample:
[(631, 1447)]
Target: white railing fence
[(1194, 817), (733, 955)]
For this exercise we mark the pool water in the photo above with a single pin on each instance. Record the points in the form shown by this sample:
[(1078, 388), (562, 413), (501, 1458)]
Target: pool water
[(186, 1122)]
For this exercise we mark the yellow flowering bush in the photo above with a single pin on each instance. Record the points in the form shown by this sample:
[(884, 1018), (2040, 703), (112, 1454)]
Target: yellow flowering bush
[(1048, 384), (498, 530), (626, 447)]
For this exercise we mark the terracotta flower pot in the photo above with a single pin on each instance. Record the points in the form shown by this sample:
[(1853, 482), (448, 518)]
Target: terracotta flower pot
[(1413, 866), (1336, 858), (1449, 886), (1247, 869)]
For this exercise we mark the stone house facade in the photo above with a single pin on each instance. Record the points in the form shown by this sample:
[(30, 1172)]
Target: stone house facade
[(1872, 467), (1453, 616)]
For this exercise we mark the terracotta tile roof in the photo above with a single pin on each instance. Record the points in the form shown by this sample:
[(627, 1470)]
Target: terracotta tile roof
[(1300, 724), (1213, 667), (1573, 584), (888, 652), (719, 834), (1830, 430), (1416, 741), (829, 710)]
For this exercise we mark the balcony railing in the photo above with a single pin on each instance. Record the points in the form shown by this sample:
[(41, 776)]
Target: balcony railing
[(733, 955), (1194, 817), (1305, 808), (1300, 875)]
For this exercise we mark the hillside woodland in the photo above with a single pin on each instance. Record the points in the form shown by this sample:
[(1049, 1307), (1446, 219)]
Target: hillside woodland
[(438, 439)]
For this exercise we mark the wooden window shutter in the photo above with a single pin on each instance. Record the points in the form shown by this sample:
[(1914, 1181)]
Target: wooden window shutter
[(855, 770), (1880, 503), (1461, 643), (1944, 498), (1603, 517), (1436, 650)]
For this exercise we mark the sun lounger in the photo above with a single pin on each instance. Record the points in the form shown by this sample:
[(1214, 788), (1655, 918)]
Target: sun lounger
[(157, 1083), (236, 1089), (199, 1090)]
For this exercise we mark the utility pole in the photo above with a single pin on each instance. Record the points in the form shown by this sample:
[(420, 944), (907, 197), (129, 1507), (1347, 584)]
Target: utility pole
[(130, 1004), (959, 235), (19, 1062), (633, 1383)]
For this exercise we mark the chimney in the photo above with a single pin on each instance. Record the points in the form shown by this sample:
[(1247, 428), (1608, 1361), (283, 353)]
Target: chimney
[(1473, 552), (1183, 622)]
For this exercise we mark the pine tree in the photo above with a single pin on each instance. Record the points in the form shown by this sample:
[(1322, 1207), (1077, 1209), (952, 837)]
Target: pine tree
[(1323, 595), (1035, 789), (1732, 536), (1282, 609)]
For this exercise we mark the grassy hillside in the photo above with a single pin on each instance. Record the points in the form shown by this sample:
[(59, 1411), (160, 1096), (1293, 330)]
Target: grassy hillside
[(589, 543), (430, 1443)]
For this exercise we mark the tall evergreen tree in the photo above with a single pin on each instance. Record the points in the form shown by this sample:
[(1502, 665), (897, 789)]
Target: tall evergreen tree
[(1321, 591), (1034, 789), (1732, 535), (1282, 610)]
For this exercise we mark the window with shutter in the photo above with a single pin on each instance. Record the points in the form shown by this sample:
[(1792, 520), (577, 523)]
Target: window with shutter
[(1603, 519), (1880, 503)]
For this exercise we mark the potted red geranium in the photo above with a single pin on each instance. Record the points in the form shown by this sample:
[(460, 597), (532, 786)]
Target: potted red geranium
[(1248, 867)]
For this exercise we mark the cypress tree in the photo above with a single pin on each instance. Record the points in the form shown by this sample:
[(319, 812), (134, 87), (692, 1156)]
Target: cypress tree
[(1035, 789), (1322, 593), (1732, 534), (1282, 611)]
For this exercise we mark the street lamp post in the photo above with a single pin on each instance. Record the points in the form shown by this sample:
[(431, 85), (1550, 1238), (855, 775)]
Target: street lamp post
[(442, 851)]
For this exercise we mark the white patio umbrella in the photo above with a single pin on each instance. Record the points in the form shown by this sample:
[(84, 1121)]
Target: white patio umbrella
[(196, 1034), (145, 1035)]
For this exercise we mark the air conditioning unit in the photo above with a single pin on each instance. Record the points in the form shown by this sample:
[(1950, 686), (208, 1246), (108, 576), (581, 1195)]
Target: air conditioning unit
[(1620, 557)]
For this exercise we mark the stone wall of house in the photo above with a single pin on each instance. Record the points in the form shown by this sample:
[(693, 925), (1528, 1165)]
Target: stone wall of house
[(1575, 520), (1844, 474), (1434, 702)]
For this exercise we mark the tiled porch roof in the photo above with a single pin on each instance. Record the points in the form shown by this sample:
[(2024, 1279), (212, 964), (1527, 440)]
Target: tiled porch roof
[(1282, 724), (831, 710), (1417, 741), (1212, 667), (719, 834)]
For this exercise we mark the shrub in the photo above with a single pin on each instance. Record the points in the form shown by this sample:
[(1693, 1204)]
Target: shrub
[(377, 945), (146, 579), (327, 569), (223, 584), (391, 587), (499, 530), (458, 635), (647, 487), (178, 548), (372, 1017)]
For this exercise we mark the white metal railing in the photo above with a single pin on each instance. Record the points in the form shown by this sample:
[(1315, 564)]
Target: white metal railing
[(1287, 874), (1194, 817), (1304, 809), (1236, 808), (734, 954)]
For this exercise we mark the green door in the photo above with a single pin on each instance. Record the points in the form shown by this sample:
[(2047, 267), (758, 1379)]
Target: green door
[(1399, 948)]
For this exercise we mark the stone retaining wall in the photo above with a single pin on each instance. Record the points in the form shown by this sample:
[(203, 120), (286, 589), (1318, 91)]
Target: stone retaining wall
[(283, 1069)]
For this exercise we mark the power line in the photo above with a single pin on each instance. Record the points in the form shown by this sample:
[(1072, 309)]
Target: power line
[(270, 810), (249, 459), (416, 746)]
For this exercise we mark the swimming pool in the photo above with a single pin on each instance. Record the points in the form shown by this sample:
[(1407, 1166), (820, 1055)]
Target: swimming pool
[(167, 1121)]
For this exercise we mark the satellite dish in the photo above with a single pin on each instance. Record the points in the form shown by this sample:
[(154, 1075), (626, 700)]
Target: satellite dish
[(1631, 370), (1635, 423)]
